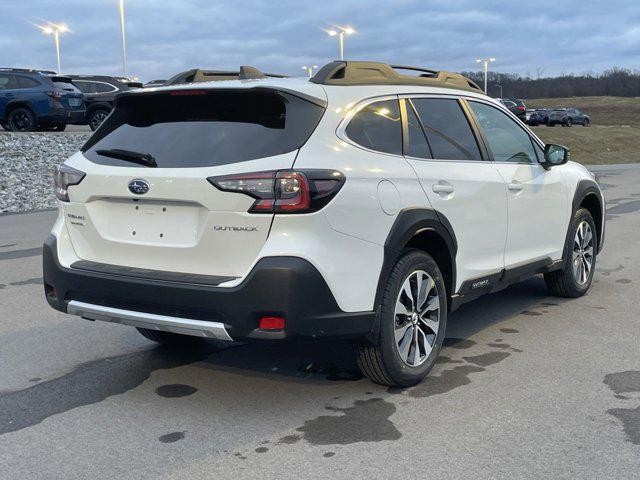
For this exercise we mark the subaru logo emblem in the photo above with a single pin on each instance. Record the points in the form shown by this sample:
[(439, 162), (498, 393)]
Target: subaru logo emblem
[(138, 186)]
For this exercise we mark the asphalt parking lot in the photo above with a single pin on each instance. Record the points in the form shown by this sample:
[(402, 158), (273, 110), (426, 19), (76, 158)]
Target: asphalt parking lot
[(528, 386)]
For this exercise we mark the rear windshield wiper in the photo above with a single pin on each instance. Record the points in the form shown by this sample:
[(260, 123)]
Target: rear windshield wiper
[(140, 158)]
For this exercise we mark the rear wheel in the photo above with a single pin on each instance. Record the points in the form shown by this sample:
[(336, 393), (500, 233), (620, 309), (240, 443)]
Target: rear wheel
[(568, 122), (412, 323), (575, 277), (97, 117), (21, 120)]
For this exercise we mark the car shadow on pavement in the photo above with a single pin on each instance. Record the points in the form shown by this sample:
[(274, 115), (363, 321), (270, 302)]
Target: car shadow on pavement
[(319, 362)]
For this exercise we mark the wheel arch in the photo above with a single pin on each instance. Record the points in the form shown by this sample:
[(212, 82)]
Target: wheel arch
[(427, 230), (589, 196), (18, 104), (98, 106)]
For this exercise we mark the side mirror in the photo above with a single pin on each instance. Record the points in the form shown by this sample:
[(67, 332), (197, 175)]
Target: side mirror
[(555, 155)]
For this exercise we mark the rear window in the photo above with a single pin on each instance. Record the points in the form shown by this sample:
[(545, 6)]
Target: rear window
[(205, 129)]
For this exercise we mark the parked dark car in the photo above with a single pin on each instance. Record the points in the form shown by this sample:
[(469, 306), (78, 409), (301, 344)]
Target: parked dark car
[(99, 92), (567, 117), (37, 100), (516, 106), (540, 116)]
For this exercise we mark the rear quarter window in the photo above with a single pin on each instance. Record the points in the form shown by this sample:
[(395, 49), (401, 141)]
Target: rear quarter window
[(207, 128), (377, 126)]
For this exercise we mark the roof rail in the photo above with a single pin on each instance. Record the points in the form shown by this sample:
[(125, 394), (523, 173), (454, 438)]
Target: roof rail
[(196, 75), (27, 70), (376, 73)]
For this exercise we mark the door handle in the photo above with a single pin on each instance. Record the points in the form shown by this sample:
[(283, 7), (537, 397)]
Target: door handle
[(442, 188), (515, 186)]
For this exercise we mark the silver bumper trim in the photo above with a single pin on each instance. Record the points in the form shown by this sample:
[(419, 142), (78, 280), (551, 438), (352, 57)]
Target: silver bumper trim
[(185, 326)]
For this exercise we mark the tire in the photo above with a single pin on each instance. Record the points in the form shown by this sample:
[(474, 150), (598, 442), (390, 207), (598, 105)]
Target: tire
[(97, 117), (568, 122), (569, 282), (551, 124), (21, 119), (382, 360), (586, 122)]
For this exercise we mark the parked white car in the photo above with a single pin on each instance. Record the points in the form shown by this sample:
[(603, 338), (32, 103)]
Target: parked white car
[(362, 204)]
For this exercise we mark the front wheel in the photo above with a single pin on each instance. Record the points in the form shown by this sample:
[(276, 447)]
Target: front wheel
[(412, 323), (575, 277), (586, 122)]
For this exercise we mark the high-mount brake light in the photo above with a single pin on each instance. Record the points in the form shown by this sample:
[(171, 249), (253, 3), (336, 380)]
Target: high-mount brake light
[(285, 191), (178, 93)]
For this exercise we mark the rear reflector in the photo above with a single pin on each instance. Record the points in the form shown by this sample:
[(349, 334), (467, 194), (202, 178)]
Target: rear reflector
[(271, 323)]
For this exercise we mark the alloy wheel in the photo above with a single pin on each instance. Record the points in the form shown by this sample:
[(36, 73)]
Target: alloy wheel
[(582, 253), (97, 119), (20, 121), (417, 316)]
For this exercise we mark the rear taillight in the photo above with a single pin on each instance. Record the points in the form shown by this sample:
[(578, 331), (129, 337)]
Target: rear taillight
[(520, 109), (57, 94), (284, 191), (63, 177)]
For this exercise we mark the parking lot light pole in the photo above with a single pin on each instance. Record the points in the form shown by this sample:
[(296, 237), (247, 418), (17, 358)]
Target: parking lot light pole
[(341, 32), (486, 62), (309, 69), (55, 30), (500, 87), (124, 42)]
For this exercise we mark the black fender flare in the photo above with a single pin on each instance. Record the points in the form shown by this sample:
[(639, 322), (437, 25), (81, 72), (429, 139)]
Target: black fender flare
[(18, 104), (98, 106), (408, 223), (583, 190)]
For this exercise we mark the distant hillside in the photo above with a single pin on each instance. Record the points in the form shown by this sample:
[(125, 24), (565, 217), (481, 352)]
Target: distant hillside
[(615, 82)]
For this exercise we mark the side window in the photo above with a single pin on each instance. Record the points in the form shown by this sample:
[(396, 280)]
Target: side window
[(417, 145), (103, 87), (539, 151), (448, 131), (508, 142), (84, 87), (25, 82), (4, 82), (377, 127)]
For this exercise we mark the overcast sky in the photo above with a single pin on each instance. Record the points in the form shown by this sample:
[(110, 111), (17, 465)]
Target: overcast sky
[(168, 36)]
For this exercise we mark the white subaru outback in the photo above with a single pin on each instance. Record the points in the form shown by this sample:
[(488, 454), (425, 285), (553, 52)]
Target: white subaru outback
[(365, 203)]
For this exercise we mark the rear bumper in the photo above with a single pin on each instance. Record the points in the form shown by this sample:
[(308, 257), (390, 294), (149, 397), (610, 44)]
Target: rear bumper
[(73, 117), (289, 287)]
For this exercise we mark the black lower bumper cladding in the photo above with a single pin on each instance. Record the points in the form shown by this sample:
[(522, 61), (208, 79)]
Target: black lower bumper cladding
[(289, 287)]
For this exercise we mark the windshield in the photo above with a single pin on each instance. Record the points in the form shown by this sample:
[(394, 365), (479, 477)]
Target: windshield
[(200, 128)]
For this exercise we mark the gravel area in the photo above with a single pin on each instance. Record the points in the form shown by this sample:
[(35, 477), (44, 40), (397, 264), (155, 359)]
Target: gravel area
[(26, 163)]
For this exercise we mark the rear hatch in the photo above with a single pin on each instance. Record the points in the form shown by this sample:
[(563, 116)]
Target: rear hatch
[(68, 94), (170, 217)]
